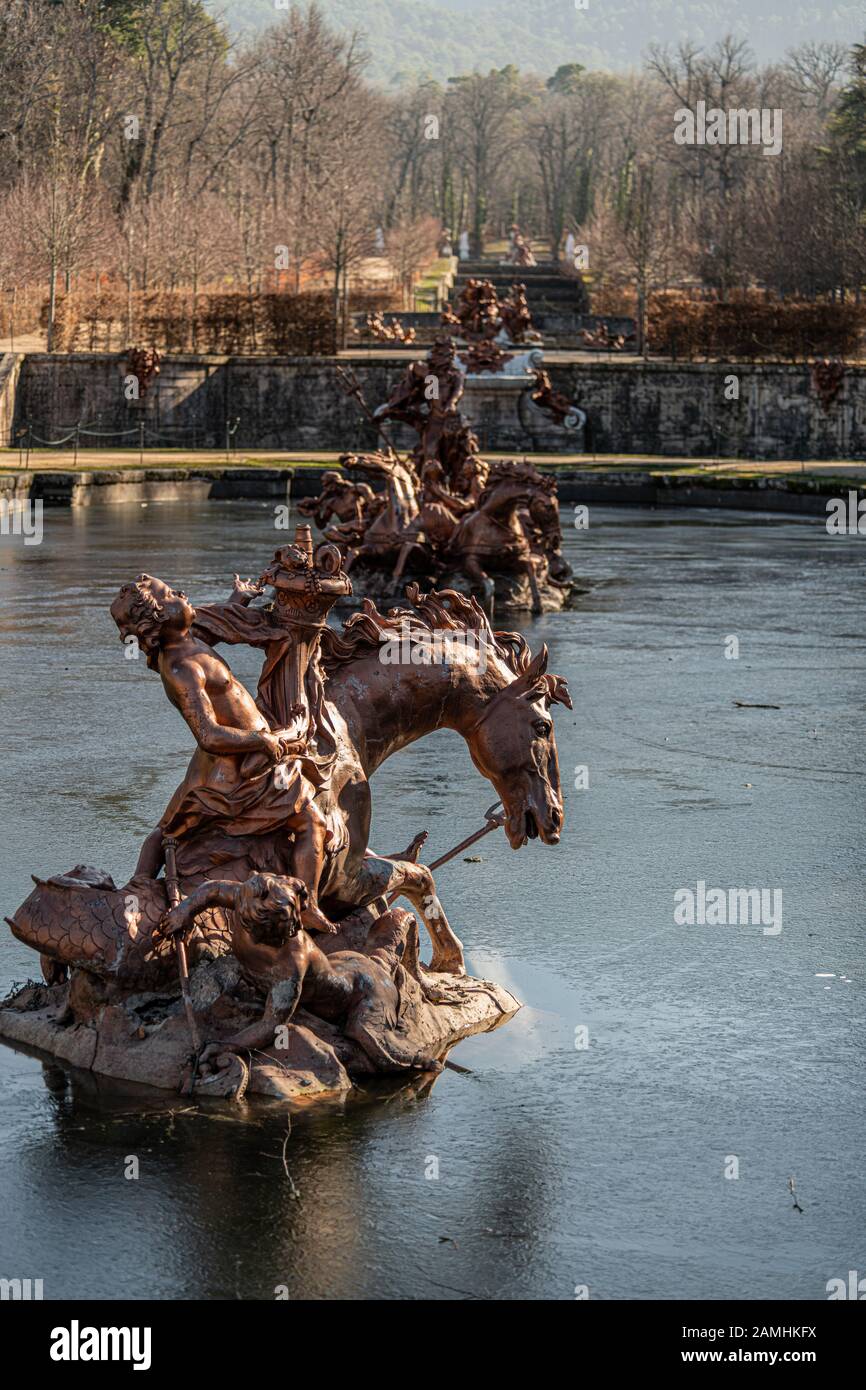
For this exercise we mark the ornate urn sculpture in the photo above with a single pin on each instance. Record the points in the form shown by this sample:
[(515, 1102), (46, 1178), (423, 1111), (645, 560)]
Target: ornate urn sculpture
[(306, 586)]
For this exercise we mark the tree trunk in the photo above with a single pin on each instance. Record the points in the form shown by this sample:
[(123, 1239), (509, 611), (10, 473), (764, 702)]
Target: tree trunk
[(337, 305), (641, 319), (52, 303)]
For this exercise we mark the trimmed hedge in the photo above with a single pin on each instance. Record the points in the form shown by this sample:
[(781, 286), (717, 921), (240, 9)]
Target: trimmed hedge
[(291, 325), (751, 328)]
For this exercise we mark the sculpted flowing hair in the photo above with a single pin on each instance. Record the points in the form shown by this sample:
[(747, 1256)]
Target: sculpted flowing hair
[(442, 610), (270, 907), (137, 614)]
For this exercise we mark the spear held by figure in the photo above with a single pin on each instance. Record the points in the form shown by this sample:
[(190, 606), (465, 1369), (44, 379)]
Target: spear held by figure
[(172, 884), (352, 387), (494, 818)]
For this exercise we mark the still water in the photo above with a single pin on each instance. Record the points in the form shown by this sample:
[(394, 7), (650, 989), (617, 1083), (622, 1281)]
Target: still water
[(558, 1165)]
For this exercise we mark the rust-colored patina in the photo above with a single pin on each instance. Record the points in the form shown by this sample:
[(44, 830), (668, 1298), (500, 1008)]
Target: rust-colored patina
[(445, 517), (479, 314), (269, 829)]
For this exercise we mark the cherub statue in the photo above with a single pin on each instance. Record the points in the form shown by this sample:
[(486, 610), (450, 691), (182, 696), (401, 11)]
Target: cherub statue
[(521, 249), (476, 311), (516, 316), (392, 332), (361, 991), (340, 498), (558, 406), (143, 364)]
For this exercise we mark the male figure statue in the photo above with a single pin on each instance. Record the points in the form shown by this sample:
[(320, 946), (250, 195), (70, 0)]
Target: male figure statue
[(244, 778)]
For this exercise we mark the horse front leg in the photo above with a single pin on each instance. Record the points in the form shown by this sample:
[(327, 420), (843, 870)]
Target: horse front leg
[(528, 567), (407, 548), (479, 581), (377, 877), (419, 888)]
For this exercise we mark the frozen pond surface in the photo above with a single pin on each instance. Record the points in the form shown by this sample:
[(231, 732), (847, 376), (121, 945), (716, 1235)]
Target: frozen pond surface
[(557, 1166)]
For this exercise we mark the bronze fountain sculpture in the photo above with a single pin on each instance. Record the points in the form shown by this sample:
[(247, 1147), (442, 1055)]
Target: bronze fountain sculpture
[(479, 315), (446, 518), (257, 946)]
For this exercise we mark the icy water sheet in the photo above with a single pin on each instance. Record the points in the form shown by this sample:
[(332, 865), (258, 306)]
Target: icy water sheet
[(589, 1144)]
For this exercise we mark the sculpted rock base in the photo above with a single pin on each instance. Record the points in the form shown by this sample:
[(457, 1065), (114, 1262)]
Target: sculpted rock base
[(143, 1039)]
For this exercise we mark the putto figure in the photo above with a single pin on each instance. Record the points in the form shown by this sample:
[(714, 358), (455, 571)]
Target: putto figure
[(479, 316), (516, 317), (392, 332), (144, 365), (554, 403), (476, 313), (351, 503), (520, 252), (364, 992)]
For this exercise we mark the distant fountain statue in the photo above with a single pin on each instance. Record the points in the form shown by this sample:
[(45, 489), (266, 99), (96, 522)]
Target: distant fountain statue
[(448, 518)]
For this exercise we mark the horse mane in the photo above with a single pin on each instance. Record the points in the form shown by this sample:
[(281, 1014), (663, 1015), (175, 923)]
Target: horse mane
[(440, 610), (512, 470)]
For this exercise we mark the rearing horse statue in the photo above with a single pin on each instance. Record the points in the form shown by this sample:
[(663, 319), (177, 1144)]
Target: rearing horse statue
[(493, 538), (446, 668), (499, 703)]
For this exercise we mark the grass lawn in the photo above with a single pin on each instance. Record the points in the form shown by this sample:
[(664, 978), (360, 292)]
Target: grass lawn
[(706, 470)]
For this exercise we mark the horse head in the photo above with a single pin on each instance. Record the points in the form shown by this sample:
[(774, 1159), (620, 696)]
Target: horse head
[(513, 745), (504, 493), (483, 684), (543, 515)]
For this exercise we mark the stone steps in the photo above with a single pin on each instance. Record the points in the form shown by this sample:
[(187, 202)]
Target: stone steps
[(547, 289), (548, 286), (548, 292), (481, 268)]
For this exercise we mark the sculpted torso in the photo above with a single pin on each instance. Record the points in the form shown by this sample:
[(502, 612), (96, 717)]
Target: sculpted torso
[(204, 690)]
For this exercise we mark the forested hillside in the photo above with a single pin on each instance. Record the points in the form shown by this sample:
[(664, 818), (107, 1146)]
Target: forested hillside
[(408, 38)]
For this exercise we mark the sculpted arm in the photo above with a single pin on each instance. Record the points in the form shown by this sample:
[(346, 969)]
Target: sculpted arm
[(242, 594), (321, 509), (244, 591), (150, 856), (188, 690), (214, 892), (279, 1008), (453, 394)]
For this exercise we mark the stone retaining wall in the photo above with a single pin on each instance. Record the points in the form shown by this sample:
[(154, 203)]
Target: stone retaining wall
[(657, 408)]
